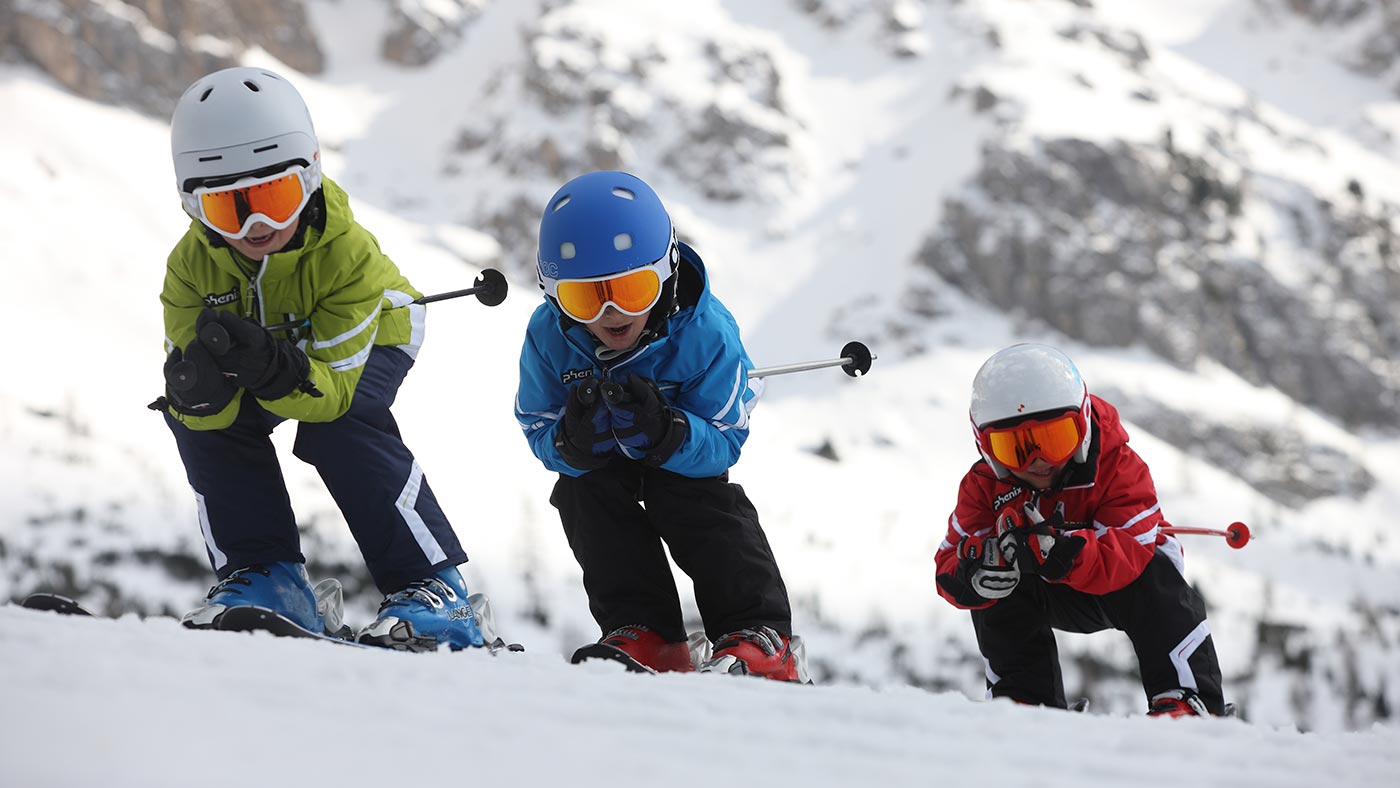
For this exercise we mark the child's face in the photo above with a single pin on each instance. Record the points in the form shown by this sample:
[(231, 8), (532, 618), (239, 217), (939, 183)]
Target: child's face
[(1039, 474), (262, 240), (616, 330)]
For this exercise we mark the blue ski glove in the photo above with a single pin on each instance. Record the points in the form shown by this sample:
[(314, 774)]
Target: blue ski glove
[(1043, 548), (987, 569), (643, 421), (584, 438)]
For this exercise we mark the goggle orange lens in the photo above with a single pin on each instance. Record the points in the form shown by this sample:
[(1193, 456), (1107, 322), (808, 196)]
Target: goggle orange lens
[(279, 199), (1054, 440), (634, 293)]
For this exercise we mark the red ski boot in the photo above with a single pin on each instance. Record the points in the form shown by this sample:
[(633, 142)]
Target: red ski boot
[(640, 649), (1177, 703), (761, 651)]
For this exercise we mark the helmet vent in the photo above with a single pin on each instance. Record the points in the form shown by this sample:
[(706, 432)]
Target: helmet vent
[(622, 241), (253, 86), (562, 202), (206, 93), (567, 250), (210, 158), (625, 194), (265, 148)]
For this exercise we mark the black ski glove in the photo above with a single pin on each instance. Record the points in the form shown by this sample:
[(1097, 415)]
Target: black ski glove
[(267, 367), (1044, 548), (643, 421), (585, 438), (987, 568), (194, 384)]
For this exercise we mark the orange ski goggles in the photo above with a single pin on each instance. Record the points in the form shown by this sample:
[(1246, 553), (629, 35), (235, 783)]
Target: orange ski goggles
[(1053, 439), (275, 200), (631, 292)]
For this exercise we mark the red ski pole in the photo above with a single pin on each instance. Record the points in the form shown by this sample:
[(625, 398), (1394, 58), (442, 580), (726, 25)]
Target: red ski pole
[(1237, 535)]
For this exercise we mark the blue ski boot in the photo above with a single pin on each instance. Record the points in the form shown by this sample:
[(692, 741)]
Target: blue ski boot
[(425, 614), (282, 588)]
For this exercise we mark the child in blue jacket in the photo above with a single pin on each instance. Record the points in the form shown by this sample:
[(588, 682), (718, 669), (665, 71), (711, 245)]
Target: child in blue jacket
[(634, 387)]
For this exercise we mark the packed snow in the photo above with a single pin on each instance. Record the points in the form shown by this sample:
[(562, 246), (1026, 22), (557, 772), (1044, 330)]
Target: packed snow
[(131, 702)]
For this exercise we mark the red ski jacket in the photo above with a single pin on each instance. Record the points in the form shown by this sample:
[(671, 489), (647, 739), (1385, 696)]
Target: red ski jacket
[(1109, 500)]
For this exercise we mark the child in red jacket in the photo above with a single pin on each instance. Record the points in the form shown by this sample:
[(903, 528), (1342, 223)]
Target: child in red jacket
[(1058, 527)]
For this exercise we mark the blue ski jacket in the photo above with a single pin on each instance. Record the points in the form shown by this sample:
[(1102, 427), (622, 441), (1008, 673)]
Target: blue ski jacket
[(700, 354)]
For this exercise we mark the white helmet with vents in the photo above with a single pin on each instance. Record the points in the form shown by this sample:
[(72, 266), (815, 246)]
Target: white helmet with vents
[(240, 121), (1023, 382)]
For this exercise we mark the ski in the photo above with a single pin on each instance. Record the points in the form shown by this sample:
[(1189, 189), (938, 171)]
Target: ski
[(602, 651), (55, 603), (249, 618), (235, 619)]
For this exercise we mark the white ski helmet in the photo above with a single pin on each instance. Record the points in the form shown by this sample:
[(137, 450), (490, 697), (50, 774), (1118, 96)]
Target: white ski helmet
[(237, 121), (1024, 380)]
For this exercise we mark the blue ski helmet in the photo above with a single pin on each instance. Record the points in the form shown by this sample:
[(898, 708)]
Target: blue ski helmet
[(601, 224)]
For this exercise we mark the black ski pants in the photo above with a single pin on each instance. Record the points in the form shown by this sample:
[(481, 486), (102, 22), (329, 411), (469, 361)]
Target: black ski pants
[(616, 519), (1163, 616), (245, 511)]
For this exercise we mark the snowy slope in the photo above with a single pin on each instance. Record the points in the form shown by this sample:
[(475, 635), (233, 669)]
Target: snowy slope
[(146, 703), (818, 252)]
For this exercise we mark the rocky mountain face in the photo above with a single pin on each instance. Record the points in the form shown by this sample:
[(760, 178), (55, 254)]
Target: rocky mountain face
[(1374, 25), (144, 53), (733, 139), (420, 30), (1119, 244)]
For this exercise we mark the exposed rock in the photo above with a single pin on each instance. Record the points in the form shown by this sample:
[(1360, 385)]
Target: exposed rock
[(1374, 24), (420, 30), (1116, 244), (725, 156), (144, 53), (1279, 462), (1127, 44), (898, 23), (729, 135)]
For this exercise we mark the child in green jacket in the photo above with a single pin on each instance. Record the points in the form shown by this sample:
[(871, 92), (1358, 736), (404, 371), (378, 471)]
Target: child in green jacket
[(278, 306)]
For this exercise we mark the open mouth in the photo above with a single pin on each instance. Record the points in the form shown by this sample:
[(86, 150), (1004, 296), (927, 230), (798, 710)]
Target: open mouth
[(618, 331), (258, 240)]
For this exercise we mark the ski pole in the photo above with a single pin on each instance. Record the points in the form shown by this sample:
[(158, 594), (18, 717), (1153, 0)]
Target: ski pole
[(855, 361), (490, 289), (1237, 535)]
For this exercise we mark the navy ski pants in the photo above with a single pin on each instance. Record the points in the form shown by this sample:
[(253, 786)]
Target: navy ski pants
[(1162, 615), (246, 514), (616, 519)]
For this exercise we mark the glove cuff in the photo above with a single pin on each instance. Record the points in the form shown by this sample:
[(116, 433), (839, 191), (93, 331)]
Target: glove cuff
[(678, 426), (961, 593), (581, 460), (285, 373)]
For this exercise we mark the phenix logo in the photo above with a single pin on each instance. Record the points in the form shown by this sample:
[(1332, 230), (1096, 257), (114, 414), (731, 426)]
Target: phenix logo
[(219, 299), (573, 375), (458, 613), (1007, 497)]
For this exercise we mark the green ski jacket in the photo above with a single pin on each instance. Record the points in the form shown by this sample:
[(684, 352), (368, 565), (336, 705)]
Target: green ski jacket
[(352, 293)]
